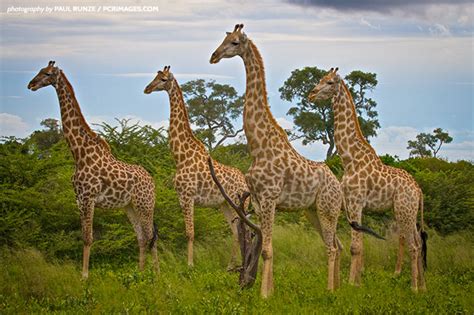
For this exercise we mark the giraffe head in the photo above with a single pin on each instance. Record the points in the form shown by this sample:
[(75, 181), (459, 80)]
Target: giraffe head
[(327, 86), (162, 82), (46, 76), (234, 44)]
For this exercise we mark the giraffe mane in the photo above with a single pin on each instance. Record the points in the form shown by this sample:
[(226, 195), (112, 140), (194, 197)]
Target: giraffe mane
[(84, 123), (185, 109), (273, 121), (355, 118)]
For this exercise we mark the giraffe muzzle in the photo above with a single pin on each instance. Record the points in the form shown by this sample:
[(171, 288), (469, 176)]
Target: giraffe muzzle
[(32, 86), (214, 58)]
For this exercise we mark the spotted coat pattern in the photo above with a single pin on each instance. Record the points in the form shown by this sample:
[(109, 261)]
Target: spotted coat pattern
[(193, 181), (368, 183), (279, 177), (100, 180)]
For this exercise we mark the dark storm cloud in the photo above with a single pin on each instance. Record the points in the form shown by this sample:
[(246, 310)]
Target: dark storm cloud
[(372, 5)]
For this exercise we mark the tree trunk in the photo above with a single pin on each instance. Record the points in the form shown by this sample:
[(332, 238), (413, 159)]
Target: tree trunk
[(330, 152)]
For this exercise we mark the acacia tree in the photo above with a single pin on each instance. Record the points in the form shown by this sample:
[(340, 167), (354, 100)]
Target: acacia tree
[(427, 144), (50, 135), (315, 120), (212, 108)]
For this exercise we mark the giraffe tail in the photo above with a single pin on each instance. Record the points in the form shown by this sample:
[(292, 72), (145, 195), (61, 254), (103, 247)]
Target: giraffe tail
[(359, 227), (423, 235), (155, 236), (365, 229)]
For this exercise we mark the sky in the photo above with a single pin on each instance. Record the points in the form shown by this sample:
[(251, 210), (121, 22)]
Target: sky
[(421, 50)]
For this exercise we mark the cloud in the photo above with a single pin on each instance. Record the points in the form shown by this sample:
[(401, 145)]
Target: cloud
[(372, 5), (458, 151), (393, 140), (13, 125), (363, 21), (285, 123), (439, 30), (177, 75)]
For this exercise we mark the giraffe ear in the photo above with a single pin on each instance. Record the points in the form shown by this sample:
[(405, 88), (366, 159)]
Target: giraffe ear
[(228, 33)]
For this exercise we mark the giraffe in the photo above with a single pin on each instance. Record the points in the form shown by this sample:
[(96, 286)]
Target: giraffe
[(192, 181), (279, 177), (100, 180), (369, 184)]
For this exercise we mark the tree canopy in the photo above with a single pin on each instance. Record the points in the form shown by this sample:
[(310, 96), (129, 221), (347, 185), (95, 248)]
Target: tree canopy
[(213, 108), (315, 120), (427, 144)]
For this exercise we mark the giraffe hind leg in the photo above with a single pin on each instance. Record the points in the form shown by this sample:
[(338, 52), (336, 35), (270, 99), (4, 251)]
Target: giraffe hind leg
[(401, 248), (135, 220), (230, 217)]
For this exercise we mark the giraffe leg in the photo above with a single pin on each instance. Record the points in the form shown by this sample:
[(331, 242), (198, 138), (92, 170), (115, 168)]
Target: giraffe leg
[(354, 212), (267, 215), (398, 267), (414, 253), (337, 264), (188, 210), (230, 217), (149, 234), (87, 215), (328, 235), (135, 220)]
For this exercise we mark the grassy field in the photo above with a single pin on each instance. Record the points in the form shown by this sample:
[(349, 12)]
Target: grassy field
[(30, 283)]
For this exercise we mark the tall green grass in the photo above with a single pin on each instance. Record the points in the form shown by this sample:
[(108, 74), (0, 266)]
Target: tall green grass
[(29, 283)]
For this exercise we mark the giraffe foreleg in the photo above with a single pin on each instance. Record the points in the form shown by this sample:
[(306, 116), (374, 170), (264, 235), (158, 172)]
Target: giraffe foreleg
[(267, 215), (87, 215), (354, 213), (187, 205)]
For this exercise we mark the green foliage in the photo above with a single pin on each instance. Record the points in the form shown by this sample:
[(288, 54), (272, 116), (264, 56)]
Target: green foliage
[(427, 145), (38, 210), (137, 144), (315, 120), (448, 190), (213, 108)]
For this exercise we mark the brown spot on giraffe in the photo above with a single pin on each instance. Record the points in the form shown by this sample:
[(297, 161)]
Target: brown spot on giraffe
[(369, 184), (314, 187), (193, 181), (94, 179)]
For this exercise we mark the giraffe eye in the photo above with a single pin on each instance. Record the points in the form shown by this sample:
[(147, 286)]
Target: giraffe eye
[(235, 43), (164, 80), (330, 82)]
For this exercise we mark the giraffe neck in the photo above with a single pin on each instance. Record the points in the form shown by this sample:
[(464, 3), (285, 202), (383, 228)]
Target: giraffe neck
[(77, 132), (182, 139), (259, 122), (350, 142)]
